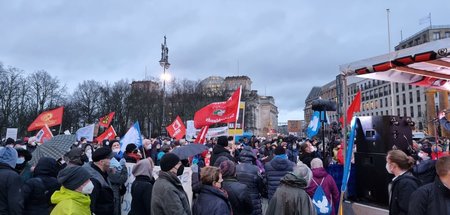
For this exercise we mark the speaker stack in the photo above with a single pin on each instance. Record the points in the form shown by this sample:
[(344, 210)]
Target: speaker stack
[(375, 136)]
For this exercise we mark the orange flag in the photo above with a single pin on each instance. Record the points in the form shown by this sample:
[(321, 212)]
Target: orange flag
[(177, 129), (49, 118), (106, 120), (109, 134), (355, 106)]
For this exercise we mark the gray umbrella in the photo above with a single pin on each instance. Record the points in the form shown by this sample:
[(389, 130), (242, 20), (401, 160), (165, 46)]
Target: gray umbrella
[(184, 152), (54, 148)]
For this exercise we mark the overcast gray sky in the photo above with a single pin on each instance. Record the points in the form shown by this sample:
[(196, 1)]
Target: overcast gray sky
[(285, 47)]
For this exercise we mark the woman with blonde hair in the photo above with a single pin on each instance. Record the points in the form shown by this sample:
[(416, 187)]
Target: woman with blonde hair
[(212, 200), (403, 184)]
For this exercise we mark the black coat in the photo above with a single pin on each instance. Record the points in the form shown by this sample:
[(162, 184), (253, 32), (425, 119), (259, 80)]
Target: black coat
[(306, 158), (211, 201), (402, 188), (141, 193), (238, 195), (430, 199), (249, 175), (275, 170), (218, 151), (102, 197), (425, 171), (11, 201), (38, 190)]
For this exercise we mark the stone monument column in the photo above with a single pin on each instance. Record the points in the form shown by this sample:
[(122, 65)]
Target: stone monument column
[(431, 111), (443, 105)]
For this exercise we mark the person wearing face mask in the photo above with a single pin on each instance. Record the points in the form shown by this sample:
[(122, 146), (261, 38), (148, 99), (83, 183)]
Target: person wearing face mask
[(403, 184), (73, 196), (132, 153), (433, 198), (115, 147), (11, 201), (76, 157), (307, 153), (212, 200), (118, 175), (425, 170), (170, 198), (102, 197), (22, 165), (147, 148)]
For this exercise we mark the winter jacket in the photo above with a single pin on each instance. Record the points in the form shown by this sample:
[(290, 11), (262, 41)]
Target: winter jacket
[(102, 197), (118, 180), (141, 194), (69, 202), (38, 190), (211, 201), (328, 185), (248, 174), (11, 201), (401, 189), (430, 199), (169, 198), (218, 151), (306, 158), (291, 198), (425, 171), (238, 195), (275, 170)]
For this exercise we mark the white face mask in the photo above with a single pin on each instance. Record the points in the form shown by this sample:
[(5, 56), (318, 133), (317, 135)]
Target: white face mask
[(20, 160), (116, 150), (88, 188), (148, 147), (387, 168)]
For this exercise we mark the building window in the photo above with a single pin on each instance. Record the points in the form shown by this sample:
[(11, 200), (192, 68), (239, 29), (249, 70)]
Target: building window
[(411, 109), (398, 111), (397, 98), (410, 97), (396, 87), (381, 103), (419, 111), (404, 99), (409, 86), (404, 111), (386, 102), (420, 126), (387, 112), (436, 35), (447, 34), (418, 95), (403, 87)]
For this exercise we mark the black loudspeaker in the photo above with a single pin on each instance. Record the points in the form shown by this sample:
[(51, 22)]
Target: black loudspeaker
[(323, 105), (379, 134), (372, 178)]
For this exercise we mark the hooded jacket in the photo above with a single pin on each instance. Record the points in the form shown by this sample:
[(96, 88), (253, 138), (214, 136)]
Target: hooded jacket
[(275, 170), (291, 198), (328, 185), (171, 198), (238, 196), (211, 201), (11, 201), (218, 151), (141, 189), (401, 189), (38, 190), (430, 199), (69, 202)]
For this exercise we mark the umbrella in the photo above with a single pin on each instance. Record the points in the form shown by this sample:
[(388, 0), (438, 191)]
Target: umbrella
[(54, 148), (186, 151)]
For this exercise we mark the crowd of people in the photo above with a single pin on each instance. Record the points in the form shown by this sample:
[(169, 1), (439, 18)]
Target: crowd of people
[(232, 177)]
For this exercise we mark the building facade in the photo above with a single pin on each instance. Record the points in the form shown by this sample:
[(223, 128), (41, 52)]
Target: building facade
[(431, 33)]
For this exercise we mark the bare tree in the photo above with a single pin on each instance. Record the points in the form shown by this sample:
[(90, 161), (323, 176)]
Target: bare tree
[(87, 97), (45, 91)]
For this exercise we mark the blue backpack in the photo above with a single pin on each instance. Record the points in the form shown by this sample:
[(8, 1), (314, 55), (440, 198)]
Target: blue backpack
[(320, 201)]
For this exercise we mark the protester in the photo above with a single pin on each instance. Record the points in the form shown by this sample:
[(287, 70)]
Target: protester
[(38, 190), (115, 147), (76, 157), (102, 197), (132, 153), (238, 193), (73, 196), (433, 198), (11, 201), (308, 152), (212, 200), (425, 170), (403, 184), (290, 197), (22, 165), (277, 169), (171, 198), (147, 148), (141, 189), (164, 149), (220, 150), (248, 173), (118, 175), (326, 181)]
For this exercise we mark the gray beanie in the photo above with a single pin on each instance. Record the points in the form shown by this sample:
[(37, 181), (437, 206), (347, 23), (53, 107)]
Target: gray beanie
[(8, 155), (303, 171), (72, 177)]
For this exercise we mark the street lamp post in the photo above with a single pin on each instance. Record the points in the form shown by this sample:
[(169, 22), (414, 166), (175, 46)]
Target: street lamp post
[(164, 62)]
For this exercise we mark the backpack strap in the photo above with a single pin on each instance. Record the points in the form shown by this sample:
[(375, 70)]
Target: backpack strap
[(322, 181), (312, 179)]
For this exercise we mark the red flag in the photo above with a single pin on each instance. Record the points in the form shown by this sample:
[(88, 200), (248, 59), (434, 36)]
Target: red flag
[(201, 137), (177, 129), (106, 120), (49, 118), (219, 112), (355, 106), (44, 134), (109, 134)]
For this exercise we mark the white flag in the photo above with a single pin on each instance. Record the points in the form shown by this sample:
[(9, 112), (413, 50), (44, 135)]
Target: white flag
[(87, 132), (133, 135)]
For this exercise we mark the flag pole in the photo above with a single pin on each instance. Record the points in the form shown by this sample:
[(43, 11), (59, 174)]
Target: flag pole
[(60, 127), (344, 143), (237, 115)]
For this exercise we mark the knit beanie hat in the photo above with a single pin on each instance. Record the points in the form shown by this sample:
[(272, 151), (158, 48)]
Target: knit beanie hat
[(316, 163), (8, 155), (72, 177), (279, 150), (102, 153), (130, 148), (169, 161), (228, 168), (223, 141)]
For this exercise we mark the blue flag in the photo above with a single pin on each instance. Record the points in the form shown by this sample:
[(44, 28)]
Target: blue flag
[(348, 156), (314, 125), (86, 132), (133, 135)]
